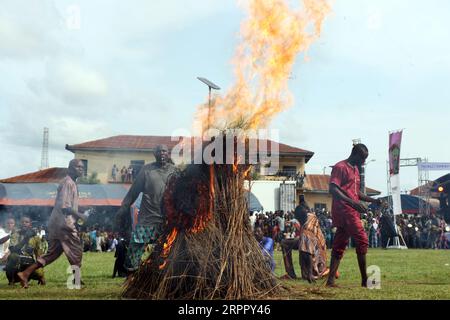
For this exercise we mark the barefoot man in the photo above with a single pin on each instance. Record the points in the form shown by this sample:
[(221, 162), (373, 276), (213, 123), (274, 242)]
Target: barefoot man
[(63, 235), (346, 209)]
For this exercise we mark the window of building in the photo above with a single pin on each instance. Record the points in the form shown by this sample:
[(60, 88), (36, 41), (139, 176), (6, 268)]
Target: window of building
[(289, 171), (320, 206), (85, 164), (301, 199)]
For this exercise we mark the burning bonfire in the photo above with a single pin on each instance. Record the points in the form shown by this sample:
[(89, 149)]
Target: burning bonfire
[(208, 250)]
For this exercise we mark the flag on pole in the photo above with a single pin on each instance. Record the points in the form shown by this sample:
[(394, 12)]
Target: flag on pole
[(395, 141)]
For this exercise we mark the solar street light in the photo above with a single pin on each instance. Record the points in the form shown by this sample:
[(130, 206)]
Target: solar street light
[(211, 85)]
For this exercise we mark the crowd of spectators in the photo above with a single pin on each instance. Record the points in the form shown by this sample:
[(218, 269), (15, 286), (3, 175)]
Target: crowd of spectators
[(95, 239), (124, 175), (421, 232)]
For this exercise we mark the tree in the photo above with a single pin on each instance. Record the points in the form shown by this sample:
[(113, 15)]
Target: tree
[(92, 179)]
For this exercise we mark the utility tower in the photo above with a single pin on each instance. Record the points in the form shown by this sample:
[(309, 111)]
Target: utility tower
[(44, 155)]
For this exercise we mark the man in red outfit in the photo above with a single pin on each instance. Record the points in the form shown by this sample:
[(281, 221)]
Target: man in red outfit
[(346, 209)]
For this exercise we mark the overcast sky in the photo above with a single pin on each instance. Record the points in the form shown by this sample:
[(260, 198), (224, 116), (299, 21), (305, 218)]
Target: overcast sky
[(131, 67)]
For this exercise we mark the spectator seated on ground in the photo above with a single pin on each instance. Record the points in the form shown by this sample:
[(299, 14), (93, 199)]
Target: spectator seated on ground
[(25, 247), (288, 244), (266, 245)]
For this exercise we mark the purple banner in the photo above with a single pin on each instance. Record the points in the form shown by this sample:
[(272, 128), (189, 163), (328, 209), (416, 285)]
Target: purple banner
[(395, 141)]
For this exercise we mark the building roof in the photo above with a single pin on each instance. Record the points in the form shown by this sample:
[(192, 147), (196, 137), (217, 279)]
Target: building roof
[(432, 187), (317, 182), (149, 143), (426, 187), (320, 183), (50, 175), (44, 194), (124, 142)]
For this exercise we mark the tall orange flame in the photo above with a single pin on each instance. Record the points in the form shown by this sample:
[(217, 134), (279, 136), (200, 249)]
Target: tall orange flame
[(271, 38)]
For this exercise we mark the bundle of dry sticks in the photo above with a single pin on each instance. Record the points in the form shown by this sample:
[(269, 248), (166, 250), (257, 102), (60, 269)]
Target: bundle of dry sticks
[(208, 250)]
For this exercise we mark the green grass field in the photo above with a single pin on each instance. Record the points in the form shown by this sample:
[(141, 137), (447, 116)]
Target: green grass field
[(407, 274)]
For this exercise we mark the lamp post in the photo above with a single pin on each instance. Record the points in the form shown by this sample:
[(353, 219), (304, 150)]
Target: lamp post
[(211, 86)]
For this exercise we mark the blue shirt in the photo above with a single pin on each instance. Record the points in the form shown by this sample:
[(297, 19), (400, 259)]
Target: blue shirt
[(94, 236), (266, 245)]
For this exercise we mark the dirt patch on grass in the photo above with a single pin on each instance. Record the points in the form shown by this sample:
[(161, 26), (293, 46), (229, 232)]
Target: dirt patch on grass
[(299, 290)]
